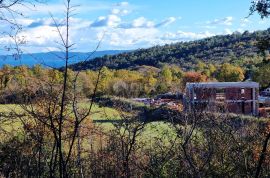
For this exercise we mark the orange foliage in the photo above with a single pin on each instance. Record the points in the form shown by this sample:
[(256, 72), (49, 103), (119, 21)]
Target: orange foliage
[(190, 77)]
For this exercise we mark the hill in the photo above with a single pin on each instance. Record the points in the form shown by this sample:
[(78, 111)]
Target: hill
[(234, 48), (51, 58)]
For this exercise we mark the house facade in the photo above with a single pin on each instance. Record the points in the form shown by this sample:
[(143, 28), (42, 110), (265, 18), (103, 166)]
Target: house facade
[(233, 97)]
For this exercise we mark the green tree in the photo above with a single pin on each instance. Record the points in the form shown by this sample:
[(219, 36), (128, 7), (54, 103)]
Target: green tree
[(201, 66), (105, 79), (166, 75), (38, 71), (261, 75), (262, 7), (212, 69), (54, 76), (165, 80), (177, 73), (230, 73), (149, 82), (5, 75)]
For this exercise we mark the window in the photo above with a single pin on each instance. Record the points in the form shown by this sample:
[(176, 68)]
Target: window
[(242, 91), (195, 96)]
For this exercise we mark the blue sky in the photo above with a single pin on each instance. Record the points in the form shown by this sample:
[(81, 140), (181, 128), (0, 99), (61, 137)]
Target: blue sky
[(134, 24)]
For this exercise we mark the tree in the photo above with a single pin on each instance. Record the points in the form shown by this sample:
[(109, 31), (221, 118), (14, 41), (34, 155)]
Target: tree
[(205, 69), (105, 79), (6, 76), (230, 73), (165, 80), (120, 88), (262, 7), (166, 75), (56, 108), (149, 82), (201, 66), (261, 75), (177, 74), (191, 77)]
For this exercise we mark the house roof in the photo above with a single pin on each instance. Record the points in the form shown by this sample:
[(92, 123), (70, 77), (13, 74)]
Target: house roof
[(223, 85)]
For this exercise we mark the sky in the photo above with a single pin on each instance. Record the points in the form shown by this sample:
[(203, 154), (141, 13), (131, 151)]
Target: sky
[(128, 25)]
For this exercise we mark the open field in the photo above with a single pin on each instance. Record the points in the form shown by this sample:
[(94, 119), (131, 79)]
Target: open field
[(99, 114), (12, 126)]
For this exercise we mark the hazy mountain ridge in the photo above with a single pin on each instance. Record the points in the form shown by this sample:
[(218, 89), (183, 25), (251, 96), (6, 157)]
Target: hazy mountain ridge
[(52, 59)]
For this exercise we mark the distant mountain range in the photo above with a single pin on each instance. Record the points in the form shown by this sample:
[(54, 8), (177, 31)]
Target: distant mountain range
[(52, 59), (239, 48)]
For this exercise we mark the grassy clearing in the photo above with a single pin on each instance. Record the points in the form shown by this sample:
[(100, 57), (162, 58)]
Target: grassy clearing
[(10, 125), (154, 130), (101, 113), (13, 126), (6, 108), (161, 131), (98, 113)]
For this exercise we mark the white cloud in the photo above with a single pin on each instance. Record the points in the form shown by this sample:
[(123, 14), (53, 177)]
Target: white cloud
[(37, 39), (140, 34), (244, 22), (263, 21), (130, 38), (59, 8), (115, 11), (192, 35), (5, 40), (228, 31), (240, 30), (166, 22), (142, 22), (115, 21), (121, 32), (225, 21), (24, 21), (122, 4), (121, 12), (43, 22), (34, 23), (44, 37), (41, 35), (209, 27), (109, 21)]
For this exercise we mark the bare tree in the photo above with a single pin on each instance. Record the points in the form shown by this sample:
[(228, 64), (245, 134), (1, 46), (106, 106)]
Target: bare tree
[(55, 106)]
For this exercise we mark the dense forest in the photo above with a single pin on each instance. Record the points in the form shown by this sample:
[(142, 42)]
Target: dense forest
[(235, 48)]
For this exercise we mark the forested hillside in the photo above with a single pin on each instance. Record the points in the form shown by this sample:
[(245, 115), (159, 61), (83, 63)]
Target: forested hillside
[(236, 48)]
